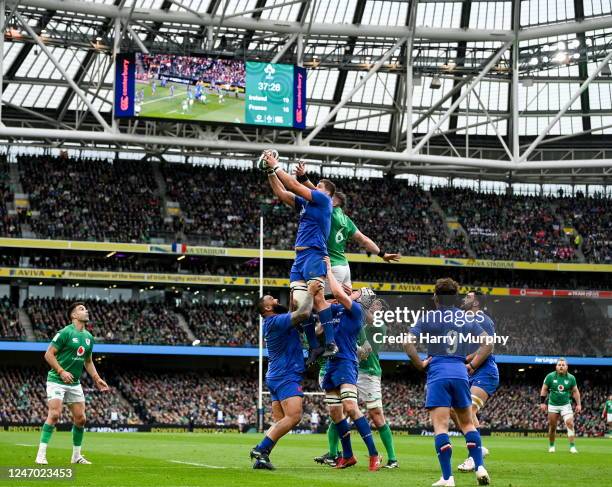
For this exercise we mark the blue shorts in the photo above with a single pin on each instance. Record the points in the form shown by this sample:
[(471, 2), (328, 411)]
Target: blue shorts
[(339, 371), (487, 382), (450, 393), (281, 389), (307, 265)]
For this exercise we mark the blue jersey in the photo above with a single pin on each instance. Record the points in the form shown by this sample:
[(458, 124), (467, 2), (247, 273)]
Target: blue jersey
[(285, 355), (347, 325), (198, 91), (447, 332), (489, 364), (315, 220)]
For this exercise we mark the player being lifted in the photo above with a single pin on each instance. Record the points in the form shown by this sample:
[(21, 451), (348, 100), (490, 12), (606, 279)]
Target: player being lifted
[(68, 353), (606, 415), (315, 207), (340, 380), (447, 375), (562, 387), (285, 368), (484, 381)]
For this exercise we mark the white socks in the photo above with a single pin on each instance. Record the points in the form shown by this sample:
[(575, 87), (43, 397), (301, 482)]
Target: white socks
[(76, 451)]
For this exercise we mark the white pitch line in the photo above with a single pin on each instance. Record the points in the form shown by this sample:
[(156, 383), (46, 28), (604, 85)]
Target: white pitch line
[(159, 99), (197, 464), (23, 444)]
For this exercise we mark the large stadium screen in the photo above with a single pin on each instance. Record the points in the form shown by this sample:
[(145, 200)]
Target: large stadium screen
[(210, 89)]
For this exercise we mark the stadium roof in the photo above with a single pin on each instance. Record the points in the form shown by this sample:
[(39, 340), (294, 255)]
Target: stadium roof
[(524, 87)]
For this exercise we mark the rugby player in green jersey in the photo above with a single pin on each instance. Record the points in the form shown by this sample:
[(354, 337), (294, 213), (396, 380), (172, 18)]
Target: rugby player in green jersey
[(606, 414), (560, 386), (68, 353)]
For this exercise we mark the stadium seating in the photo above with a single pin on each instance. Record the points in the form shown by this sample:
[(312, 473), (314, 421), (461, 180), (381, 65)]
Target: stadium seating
[(114, 322), (122, 201), (10, 328), (180, 397)]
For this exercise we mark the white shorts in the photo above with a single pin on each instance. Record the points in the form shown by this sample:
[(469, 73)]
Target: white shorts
[(369, 390), (609, 417), (342, 273), (565, 411), (66, 393)]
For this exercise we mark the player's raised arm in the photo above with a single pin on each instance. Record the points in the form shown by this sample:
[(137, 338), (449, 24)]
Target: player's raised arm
[(288, 181), (280, 192), (370, 247), (300, 175), (305, 309), (336, 288)]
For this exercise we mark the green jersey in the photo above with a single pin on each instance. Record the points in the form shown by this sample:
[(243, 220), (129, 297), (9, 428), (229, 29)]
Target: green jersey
[(608, 407), (559, 388), (73, 347), (371, 365), (342, 229)]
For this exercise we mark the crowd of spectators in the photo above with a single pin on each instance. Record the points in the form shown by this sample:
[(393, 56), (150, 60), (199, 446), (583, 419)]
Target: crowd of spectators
[(134, 322), (507, 227), (10, 327), (225, 325), (591, 217), (195, 397), (24, 399), (91, 199), (121, 201), (215, 71)]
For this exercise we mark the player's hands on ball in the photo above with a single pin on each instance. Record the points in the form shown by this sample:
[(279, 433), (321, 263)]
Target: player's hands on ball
[(271, 159), (101, 385), (67, 377)]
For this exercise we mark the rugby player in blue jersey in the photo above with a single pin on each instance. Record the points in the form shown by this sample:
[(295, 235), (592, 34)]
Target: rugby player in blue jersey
[(340, 379), (447, 374), (285, 368), (484, 381), (315, 208)]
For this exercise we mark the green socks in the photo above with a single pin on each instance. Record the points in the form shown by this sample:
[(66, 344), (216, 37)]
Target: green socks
[(77, 435), (333, 438), (572, 445), (387, 438), (45, 434)]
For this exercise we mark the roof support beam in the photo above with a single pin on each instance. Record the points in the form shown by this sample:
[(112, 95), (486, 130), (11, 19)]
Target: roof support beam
[(566, 107), (63, 72), (355, 89)]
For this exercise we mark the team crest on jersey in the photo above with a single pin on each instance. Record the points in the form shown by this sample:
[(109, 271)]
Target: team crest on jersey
[(560, 388), (80, 351), (75, 340), (88, 341)]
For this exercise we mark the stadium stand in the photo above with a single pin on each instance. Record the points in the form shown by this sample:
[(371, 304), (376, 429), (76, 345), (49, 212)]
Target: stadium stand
[(221, 207), (181, 398)]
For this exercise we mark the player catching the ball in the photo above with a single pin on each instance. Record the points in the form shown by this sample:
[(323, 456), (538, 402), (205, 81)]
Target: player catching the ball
[(69, 352), (560, 386)]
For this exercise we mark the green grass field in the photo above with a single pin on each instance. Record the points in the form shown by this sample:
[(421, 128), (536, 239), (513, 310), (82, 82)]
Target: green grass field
[(166, 106), (154, 459)]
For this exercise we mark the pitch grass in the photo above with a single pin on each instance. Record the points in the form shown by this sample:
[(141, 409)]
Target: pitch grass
[(149, 459), (163, 105)]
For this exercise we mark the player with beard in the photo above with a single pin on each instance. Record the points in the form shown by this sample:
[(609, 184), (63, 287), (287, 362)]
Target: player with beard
[(285, 368), (69, 352)]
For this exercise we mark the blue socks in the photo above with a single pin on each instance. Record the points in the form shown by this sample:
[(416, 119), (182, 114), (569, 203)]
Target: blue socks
[(344, 431), (310, 332), (325, 317), (444, 450), (474, 445), (266, 445), (365, 431)]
